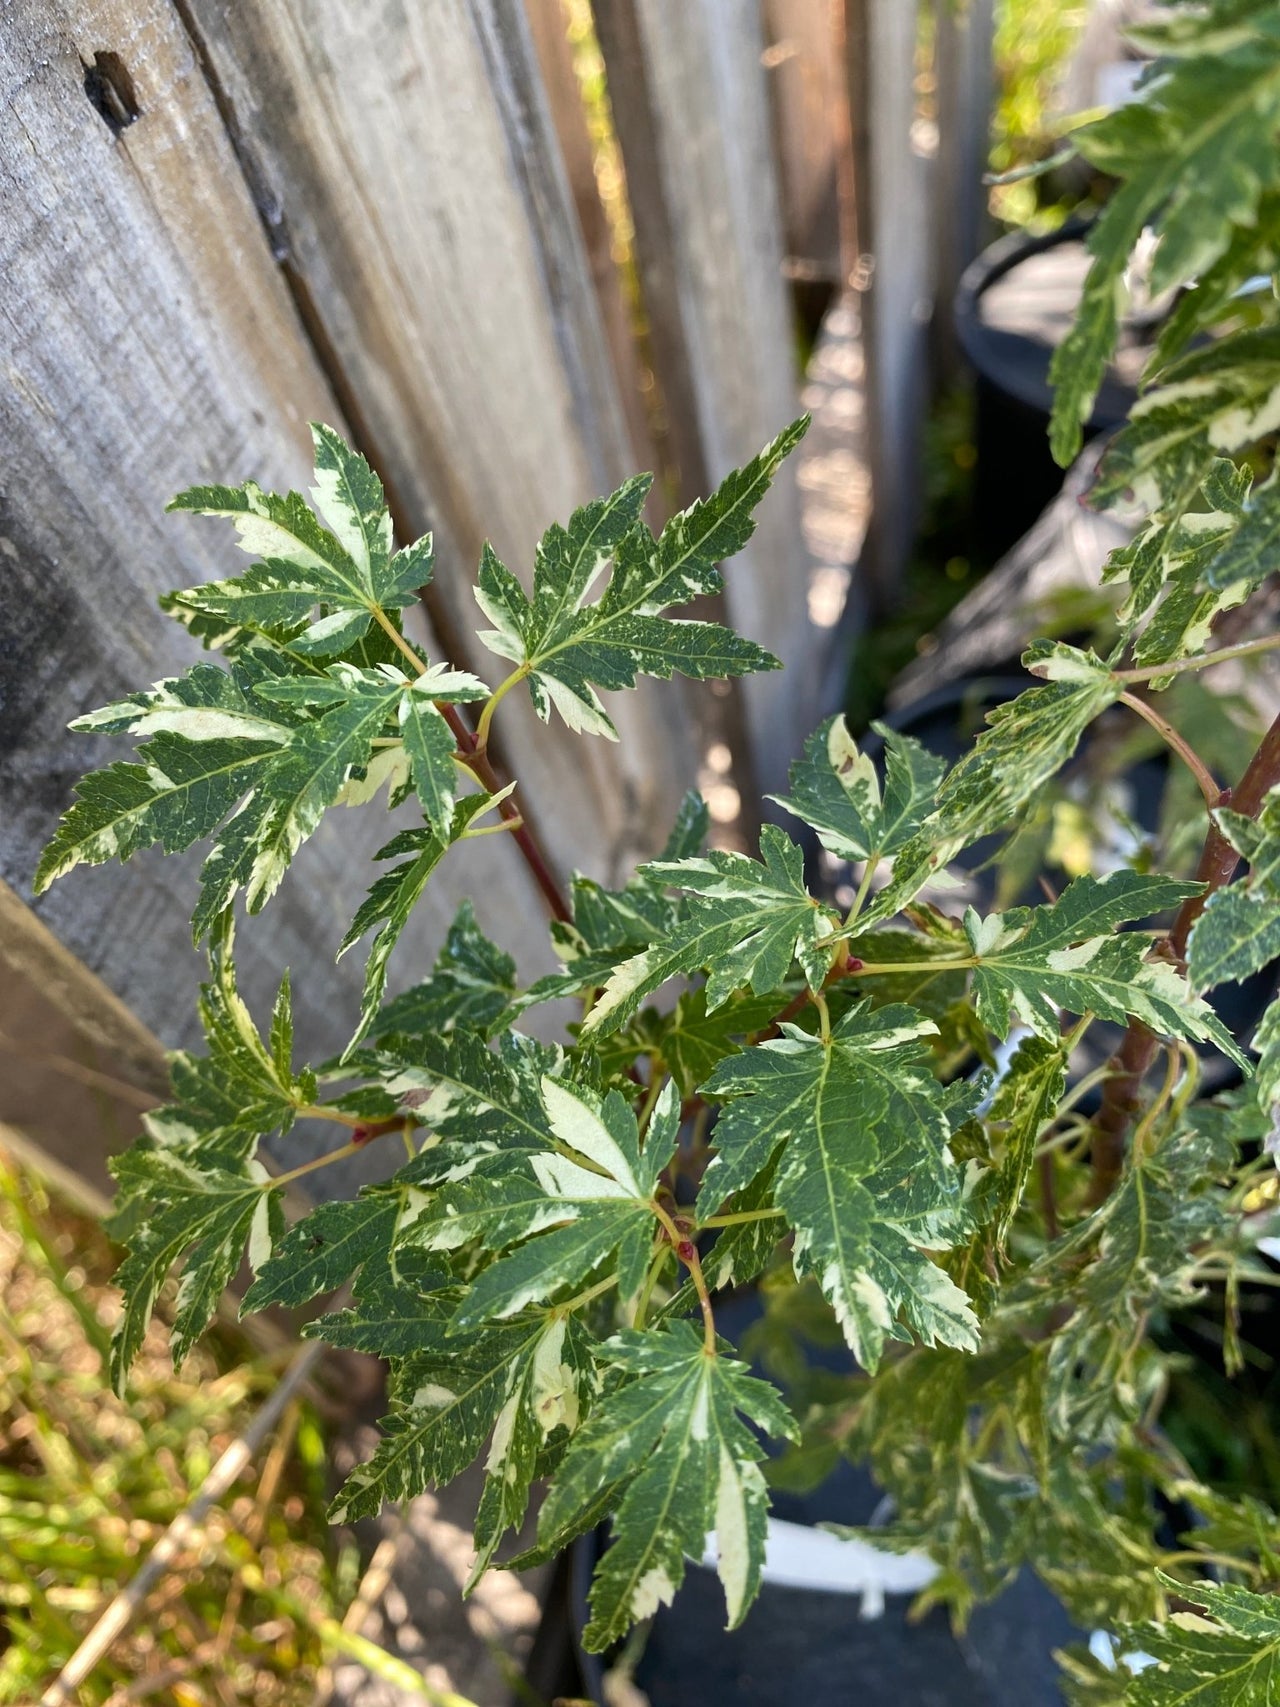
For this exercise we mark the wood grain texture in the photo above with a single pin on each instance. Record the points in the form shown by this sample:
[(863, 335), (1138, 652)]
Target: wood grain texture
[(896, 265), (147, 342), (405, 159), (76, 1067), (963, 77), (687, 91), (805, 89), (548, 24)]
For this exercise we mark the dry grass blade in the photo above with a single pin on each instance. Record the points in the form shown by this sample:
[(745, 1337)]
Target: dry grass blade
[(181, 1532)]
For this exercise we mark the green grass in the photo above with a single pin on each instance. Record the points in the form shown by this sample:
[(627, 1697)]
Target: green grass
[(88, 1484)]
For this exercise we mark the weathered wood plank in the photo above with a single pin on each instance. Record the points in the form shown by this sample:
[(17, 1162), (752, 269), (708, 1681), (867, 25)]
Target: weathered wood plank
[(834, 483), (148, 341), (425, 214), (963, 78), (804, 84), (76, 1067), (549, 25), (897, 303), (691, 111)]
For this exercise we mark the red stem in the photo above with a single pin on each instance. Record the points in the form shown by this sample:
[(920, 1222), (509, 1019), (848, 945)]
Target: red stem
[(478, 763)]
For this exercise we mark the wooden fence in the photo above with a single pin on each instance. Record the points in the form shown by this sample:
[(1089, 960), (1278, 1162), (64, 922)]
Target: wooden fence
[(222, 218)]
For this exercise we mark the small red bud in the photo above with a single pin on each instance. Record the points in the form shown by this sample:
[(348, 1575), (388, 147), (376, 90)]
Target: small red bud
[(685, 1251), (853, 964)]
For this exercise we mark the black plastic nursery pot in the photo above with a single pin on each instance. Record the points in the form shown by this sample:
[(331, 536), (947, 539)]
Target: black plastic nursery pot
[(1013, 307)]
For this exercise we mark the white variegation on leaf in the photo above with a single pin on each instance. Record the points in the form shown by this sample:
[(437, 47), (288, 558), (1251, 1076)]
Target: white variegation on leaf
[(813, 1107), (843, 1115), (567, 648)]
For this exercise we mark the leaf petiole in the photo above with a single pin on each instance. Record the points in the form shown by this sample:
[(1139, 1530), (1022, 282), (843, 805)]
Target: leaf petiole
[(352, 1149), (864, 889), (687, 1251), (1176, 743), (397, 639), (867, 969), (741, 1216), (493, 702), (580, 1298), (1245, 649), (650, 1281), (516, 823)]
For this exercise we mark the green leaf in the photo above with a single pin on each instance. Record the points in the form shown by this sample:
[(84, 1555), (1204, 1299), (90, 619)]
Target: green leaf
[(1026, 742), (694, 1042), (1236, 935), (1266, 1042), (863, 1175), (179, 793), (567, 648), (1138, 1250), (519, 1383), (430, 745), (208, 704), (1038, 960), (191, 1180), (914, 1426), (594, 1194), (1227, 1656), (1171, 562), (546, 1401), (689, 832), (348, 571), (211, 742), (1258, 840), (349, 496), (836, 790), (396, 1311), (394, 895), (681, 1461), (324, 1250), (1095, 1551), (264, 749), (314, 772), (745, 920), (1195, 154), (1215, 401), (476, 1094), (1251, 251), (1025, 1102), (259, 842), (610, 925), (210, 1212), (1080, 361), (470, 985), (241, 1090)]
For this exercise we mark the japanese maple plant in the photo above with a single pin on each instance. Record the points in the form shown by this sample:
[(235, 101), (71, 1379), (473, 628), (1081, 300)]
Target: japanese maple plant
[(763, 1085)]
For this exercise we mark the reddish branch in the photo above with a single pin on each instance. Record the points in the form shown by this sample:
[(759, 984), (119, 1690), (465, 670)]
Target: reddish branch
[(478, 763), (1121, 1095)]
